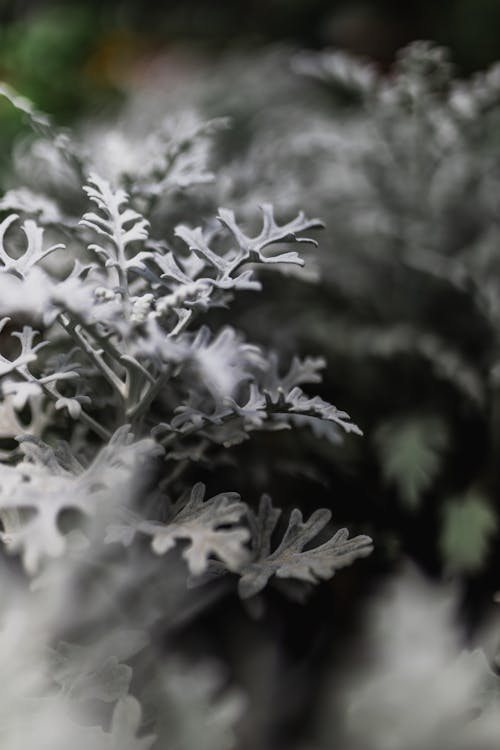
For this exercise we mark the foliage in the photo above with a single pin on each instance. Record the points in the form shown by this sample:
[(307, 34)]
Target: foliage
[(156, 378), (130, 381), (418, 688), (410, 455), (468, 526)]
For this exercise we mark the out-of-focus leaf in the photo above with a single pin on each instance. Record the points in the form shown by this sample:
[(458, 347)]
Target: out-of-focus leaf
[(410, 452), (468, 525)]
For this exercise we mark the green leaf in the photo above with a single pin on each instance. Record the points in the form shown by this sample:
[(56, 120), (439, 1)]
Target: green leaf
[(410, 451), (468, 525)]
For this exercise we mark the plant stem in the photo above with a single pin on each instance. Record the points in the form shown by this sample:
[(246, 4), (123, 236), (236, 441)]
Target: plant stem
[(74, 330), (86, 418)]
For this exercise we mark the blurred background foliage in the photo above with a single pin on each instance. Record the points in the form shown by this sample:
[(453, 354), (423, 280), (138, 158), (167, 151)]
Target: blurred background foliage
[(79, 57), (70, 56)]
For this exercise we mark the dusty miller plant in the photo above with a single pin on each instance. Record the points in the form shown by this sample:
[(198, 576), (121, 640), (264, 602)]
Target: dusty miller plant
[(113, 386)]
